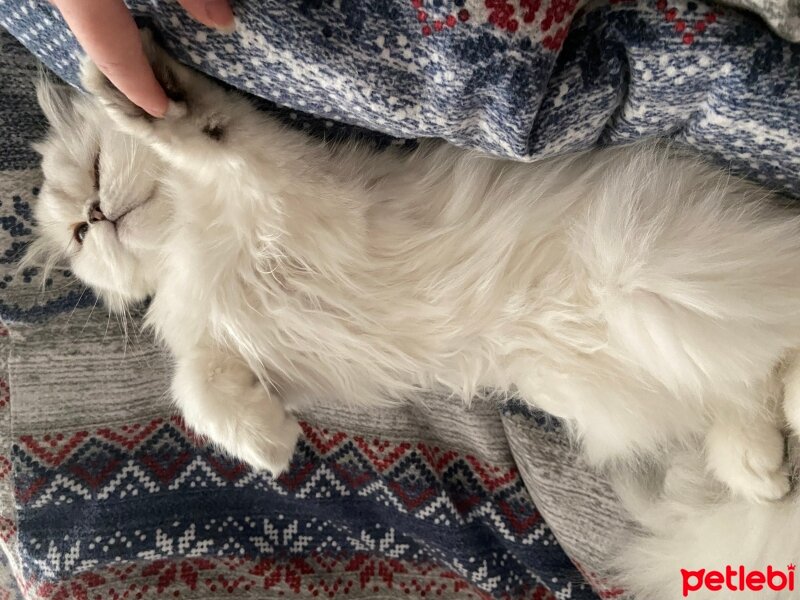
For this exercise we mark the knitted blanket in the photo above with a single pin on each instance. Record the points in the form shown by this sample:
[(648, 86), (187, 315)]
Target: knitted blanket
[(103, 491), (517, 78)]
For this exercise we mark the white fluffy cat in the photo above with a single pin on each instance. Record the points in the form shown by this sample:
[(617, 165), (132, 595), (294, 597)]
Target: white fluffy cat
[(643, 296)]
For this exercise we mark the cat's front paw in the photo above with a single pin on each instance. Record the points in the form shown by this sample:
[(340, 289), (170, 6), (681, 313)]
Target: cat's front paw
[(127, 114), (222, 401), (749, 460), (201, 121), (264, 436)]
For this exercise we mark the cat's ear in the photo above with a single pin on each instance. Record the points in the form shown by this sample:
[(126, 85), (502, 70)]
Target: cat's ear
[(57, 101)]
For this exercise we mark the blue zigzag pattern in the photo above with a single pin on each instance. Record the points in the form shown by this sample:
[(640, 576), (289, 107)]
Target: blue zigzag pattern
[(94, 498)]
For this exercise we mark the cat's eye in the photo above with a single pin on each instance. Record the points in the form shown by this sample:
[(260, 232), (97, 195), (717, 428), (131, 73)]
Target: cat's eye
[(97, 171), (80, 231)]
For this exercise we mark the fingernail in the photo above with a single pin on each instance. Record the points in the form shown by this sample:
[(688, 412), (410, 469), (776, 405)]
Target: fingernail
[(219, 13), (156, 111)]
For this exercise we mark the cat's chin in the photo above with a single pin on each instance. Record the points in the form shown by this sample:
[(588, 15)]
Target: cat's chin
[(118, 301)]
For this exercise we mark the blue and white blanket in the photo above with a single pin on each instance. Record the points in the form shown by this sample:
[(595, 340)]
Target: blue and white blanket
[(517, 78)]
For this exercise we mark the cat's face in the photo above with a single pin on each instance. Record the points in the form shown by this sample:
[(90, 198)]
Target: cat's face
[(101, 205)]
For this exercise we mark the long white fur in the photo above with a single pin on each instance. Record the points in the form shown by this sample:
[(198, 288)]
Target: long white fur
[(692, 524), (643, 296)]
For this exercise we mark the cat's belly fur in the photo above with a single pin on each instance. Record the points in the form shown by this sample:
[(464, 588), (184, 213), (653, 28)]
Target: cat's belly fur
[(379, 333), (401, 299)]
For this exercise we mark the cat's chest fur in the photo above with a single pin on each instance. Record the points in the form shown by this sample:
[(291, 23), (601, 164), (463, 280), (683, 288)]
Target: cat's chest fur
[(373, 283)]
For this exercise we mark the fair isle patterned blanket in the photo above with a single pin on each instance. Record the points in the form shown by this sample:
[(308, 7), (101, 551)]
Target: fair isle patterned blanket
[(105, 494)]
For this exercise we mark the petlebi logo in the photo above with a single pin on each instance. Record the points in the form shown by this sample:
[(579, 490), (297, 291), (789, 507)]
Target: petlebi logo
[(738, 579)]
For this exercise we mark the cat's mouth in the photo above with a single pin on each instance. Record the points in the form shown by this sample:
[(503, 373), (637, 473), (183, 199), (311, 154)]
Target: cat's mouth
[(128, 210)]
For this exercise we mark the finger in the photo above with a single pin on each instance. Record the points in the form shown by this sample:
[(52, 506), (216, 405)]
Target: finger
[(107, 32), (213, 13)]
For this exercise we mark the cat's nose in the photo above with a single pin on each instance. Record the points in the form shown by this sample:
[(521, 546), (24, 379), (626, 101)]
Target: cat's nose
[(95, 214)]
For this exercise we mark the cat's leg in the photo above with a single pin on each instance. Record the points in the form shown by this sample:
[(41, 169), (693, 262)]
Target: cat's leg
[(220, 398), (203, 121), (619, 417), (745, 447), (615, 417)]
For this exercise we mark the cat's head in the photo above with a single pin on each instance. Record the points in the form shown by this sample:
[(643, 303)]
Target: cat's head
[(101, 207)]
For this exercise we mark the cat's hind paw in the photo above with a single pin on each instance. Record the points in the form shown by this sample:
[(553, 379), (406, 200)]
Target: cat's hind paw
[(749, 460)]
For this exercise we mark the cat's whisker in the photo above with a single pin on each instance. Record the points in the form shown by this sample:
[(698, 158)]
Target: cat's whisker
[(119, 321), (89, 318), (108, 323), (124, 333), (137, 330), (72, 312)]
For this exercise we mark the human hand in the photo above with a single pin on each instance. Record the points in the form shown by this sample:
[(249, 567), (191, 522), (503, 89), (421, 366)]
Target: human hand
[(108, 34)]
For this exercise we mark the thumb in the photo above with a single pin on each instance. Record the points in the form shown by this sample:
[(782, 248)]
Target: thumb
[(213, 13), (109, 36)]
